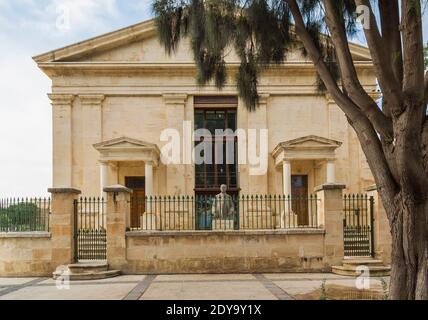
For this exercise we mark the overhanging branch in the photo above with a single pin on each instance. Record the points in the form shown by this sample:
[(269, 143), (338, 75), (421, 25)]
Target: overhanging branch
[(350, 80), (363, 127), (382, 62)]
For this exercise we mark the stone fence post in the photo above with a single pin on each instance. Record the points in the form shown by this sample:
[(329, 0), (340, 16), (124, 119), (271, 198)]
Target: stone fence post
[(382, 229), (62, 225), (330, 217), (118, 222)]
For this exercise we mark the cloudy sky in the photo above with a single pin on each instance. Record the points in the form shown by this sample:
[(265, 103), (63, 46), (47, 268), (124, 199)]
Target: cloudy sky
[(28, 28)]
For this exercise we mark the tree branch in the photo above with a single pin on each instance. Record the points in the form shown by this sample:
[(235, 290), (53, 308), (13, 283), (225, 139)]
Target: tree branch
[(391, 35), (382, 62), (350, 80), (425, 146), (414, 64), (426, 87), (364, 129)]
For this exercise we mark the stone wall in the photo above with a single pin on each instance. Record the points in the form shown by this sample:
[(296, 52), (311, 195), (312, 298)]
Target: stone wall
[(26, 255), (226, 252)]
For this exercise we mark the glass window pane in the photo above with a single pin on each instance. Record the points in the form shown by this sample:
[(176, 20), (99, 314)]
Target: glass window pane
[(199, 119), (231, 120)]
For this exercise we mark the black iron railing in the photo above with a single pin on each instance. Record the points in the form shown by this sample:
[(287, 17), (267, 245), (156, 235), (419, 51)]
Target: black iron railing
[(358, 225), (187, 213), (90, 240), (24, 215)]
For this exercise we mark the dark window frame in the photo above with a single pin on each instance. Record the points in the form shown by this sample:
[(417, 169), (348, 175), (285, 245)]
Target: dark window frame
[(206, 189)]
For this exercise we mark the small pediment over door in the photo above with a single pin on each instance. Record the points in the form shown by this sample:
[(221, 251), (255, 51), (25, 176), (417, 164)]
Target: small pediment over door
[(127, 149), (306, 148)]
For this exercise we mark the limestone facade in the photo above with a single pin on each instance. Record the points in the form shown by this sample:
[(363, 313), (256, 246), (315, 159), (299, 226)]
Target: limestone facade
[(112, 97)]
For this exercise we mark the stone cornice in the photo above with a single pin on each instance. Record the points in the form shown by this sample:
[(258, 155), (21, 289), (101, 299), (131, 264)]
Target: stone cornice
[(91, 99), (117, 189), (372, 188), (61, 99), (330, 186), (28, 235), (238, 233), (58, 68), (64, 191)]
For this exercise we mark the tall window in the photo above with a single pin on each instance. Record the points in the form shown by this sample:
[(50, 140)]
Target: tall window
[(218, 149)]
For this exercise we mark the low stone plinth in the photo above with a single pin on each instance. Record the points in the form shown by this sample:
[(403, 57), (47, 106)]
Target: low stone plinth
[(226, 251)]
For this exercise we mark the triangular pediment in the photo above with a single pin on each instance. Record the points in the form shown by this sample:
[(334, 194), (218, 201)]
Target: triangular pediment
[(124, 143), (139, 43), (306, 148), (312, 141)]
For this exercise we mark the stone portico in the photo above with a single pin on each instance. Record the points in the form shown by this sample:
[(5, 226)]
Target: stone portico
[(117, 152), (320, 150)]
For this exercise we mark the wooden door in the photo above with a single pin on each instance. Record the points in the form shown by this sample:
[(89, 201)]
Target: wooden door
[(138, 199), (299, 193)]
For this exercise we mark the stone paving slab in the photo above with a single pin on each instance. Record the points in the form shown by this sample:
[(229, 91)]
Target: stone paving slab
[(14, 281), (121, 280), (304, 276), (91, 290), (298, 287), (205, 277), (208, 291), (179, 287)]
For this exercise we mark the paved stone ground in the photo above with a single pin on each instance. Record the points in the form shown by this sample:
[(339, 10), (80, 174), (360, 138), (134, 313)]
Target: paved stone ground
[(180, 287)]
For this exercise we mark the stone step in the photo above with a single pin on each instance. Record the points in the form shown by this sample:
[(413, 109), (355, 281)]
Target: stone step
[(374, 271), (88, 267), (362, 262), (90, 275), (88, 270)]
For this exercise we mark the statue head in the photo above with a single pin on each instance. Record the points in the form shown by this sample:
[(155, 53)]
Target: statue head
[(223, 188)]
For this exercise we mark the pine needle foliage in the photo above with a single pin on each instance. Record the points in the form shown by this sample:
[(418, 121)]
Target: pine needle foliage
[(260, 31)]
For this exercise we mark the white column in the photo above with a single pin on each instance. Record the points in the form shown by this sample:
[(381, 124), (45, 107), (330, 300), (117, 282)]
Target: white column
[(286, 176), (331, 171), (149, 179), (103, 178)]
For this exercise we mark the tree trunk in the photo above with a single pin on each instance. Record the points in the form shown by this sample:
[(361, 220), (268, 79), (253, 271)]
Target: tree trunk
[(409, 275)]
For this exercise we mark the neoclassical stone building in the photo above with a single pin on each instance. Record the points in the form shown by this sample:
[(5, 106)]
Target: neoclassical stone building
[(118, 102), (113, 95)]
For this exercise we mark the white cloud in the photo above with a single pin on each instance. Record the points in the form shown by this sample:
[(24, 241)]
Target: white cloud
[(84, 15), (27, 28), (25, 127)]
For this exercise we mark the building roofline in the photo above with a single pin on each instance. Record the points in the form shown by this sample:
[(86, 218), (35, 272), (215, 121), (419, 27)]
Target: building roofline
[(129, 34)]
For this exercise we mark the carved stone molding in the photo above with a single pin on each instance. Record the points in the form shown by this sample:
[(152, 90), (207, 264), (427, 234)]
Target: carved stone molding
[(264, 98), (91, 99), (61, 99)]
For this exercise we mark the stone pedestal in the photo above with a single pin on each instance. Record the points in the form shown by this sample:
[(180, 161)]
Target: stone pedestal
[(62, 225), (330, 217), (382, 229), (118, 221)]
